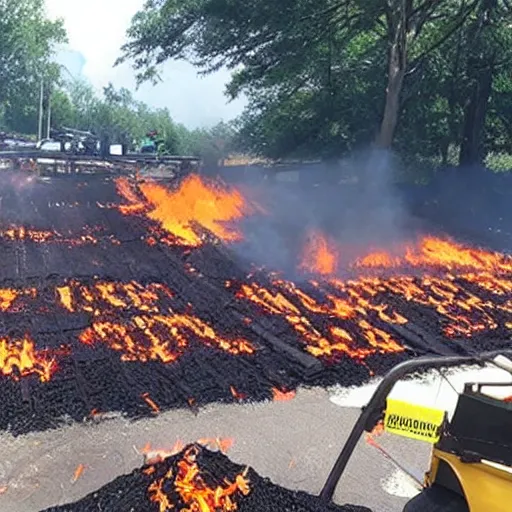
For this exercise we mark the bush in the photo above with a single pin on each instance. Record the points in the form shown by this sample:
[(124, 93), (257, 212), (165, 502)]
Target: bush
[(499, 162)]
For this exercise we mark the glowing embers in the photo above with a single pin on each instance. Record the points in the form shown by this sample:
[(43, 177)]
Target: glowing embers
[(152, 331), (461, 312), (162, 338), (104, 297), (323, 327), (195, 205), (87, 236), (13, 300), (22, 233), (19, 358), (184, 487), (352, 317)]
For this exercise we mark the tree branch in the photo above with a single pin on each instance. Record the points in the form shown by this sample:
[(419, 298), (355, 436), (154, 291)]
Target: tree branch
[(329, 10), (448, 33)]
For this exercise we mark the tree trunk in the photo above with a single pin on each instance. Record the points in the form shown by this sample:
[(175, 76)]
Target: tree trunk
[(453, 95), (392, 108), (444, 147), (472, 151), (397, 62)]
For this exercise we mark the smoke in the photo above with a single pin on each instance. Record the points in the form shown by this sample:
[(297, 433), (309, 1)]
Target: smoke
[(360, 206), (14, 187), (354, 203), (473, 204)]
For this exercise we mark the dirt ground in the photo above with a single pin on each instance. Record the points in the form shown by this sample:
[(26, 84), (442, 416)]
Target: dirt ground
[(294, 443)]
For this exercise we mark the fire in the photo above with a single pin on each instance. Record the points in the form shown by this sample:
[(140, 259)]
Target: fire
[(451, 255), (65, 297), (355, 317), (127, 190), (319, 255), (19, 358), (378, 260), (222, 444), (337, 315), (78, 472), (431, 251), (22, 233), (156, 455), (364, 301), (150, 402), (236, 394), (283, 396), (195, 204), (85, 237), (335, 339), (104, 295), (322, 256), (7, 298), (194, 492), (159, 337)]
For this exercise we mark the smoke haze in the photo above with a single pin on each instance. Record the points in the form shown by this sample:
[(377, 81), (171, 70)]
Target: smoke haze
[(358, 211)]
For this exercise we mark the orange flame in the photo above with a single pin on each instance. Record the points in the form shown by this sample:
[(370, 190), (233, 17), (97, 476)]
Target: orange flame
[(436, 252), (195, 203), (319, 255), (156, 455), (379, 259), (150, 402), (65, 297), (332, 318), (222, 444), (337, 340), (19, 358), (159, 337), (283, 396), (128, 191), (194, 492), (7, 298), (236, 394), (22, 233), (78, 472)]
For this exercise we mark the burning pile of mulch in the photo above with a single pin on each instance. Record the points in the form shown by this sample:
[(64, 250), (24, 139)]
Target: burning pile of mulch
[(197, 479)]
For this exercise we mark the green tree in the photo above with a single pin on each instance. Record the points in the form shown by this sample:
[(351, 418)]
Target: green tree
[(27, 38), (291, 50), (115, 115), (488, 56)]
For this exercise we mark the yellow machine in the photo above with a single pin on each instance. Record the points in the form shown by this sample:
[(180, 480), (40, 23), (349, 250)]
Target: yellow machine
[(471, 465), (471, 462), (480, 486)]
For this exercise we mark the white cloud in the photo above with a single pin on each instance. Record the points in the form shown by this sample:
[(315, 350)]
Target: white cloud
[(97, 30)]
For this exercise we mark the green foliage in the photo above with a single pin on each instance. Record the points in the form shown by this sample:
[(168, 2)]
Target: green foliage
[(315, 72), (27, 38), (499, 162), (121, 118), (317, 75)]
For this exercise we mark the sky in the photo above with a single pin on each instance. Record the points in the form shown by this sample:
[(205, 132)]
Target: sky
[(96, 31)]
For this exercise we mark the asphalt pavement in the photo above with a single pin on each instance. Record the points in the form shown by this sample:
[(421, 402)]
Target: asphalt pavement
[(294, 443)]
